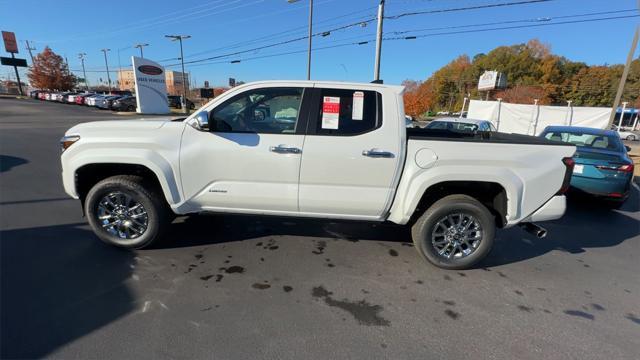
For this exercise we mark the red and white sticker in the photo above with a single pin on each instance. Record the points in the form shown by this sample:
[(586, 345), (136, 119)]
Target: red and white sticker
[(358, 105), (330, 112)]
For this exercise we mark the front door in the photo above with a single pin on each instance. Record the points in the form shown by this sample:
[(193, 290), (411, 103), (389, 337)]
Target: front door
[(351, 159), (250, 160)]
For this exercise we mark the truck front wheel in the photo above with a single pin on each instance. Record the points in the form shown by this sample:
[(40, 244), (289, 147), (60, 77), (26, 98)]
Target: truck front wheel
[(124, 211), (456, 232)]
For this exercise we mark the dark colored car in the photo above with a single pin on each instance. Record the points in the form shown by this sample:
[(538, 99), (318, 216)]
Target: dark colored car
[(125, 103), (175, 101), (602, 166)]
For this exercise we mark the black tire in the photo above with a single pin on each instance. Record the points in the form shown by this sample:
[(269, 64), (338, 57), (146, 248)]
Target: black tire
[(422, 231), (612, 204), (158, 213), (631, 138), (131, 108)]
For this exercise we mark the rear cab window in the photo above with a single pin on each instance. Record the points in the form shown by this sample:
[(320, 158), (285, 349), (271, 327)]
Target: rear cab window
[(346, 112)]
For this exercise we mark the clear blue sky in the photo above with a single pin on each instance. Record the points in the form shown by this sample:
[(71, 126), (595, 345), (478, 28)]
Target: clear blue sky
[(70, 27)]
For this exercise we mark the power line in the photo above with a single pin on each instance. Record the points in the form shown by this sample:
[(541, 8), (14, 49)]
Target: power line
[(366, 22), (321, 33), (511, 27), (538, 19), (476, 7), (365, 42), (286, 32)]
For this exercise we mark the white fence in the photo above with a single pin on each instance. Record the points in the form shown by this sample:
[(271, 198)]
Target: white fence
[(532, 119)]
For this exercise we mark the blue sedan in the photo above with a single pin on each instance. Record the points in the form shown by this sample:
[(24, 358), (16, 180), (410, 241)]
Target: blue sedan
[(602, 166)]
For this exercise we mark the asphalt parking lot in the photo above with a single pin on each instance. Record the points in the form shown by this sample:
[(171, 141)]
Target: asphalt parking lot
[(242, 287)]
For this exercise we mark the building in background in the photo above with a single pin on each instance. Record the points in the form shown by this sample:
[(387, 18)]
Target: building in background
[(174, 81)]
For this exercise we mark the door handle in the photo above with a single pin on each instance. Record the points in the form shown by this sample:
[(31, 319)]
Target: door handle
[(375, 153), (284, 149)]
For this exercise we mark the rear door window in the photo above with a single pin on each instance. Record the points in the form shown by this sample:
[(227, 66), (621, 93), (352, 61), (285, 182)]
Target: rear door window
[(345, 112)]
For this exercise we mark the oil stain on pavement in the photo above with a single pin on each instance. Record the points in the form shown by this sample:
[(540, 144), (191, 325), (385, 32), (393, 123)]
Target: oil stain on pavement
[(364, 312)]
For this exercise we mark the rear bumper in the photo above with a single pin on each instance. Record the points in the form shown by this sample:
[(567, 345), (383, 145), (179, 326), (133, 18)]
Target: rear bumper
[(551, 210), (602, 187)]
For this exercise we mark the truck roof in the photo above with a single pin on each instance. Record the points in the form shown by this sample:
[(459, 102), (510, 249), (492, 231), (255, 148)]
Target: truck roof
[(308, 83)]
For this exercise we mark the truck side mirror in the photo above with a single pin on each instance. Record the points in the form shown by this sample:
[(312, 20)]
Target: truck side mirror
[(202, 121)]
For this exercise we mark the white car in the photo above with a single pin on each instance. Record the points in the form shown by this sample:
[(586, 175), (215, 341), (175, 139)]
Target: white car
[(347, 154), (93, 100), (627, 135)]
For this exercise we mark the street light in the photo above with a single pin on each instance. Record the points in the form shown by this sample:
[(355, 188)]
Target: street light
[(140, 46), (310, 35), (84, 73), (184, 82), (106, 63)]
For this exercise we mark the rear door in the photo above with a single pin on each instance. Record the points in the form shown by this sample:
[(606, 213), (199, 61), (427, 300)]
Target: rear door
[(352, 154)]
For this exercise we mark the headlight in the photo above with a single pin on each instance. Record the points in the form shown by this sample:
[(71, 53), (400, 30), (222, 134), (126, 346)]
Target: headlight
[(68, 140)]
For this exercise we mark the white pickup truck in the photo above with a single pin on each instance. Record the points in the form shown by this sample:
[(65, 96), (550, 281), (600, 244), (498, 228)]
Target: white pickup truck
[(315, 149)]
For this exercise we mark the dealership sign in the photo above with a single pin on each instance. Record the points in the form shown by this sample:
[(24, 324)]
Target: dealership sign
[(10, 43), (491, 80), (151, 87)]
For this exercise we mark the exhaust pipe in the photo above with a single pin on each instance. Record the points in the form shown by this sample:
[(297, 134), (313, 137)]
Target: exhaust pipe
[(534, 229)]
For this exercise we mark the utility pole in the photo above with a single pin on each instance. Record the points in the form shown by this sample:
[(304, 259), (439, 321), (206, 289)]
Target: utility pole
[(310, 35), (140, 46), (623, 79), (106, 63), (29, 48), (84, 73), (184, 80), (376, 72)]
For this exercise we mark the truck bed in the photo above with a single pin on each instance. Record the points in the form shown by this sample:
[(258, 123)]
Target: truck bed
[(488, 137)]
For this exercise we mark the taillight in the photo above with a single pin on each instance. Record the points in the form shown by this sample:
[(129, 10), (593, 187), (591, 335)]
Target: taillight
[(569, 163), (624, 168)]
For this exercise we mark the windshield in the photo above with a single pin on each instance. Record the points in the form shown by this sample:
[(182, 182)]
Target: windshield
[(452, 126), (596, 141)]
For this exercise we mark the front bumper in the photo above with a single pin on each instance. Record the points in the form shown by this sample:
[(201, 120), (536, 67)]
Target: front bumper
[(551, 210)]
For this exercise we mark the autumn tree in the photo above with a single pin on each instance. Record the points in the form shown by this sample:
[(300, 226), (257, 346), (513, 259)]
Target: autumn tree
[(533, 72), (418, 98), (523, 94), (49, 71)]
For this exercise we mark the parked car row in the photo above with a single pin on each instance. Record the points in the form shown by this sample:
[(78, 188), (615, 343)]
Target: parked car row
[(116, 100), (121, 101)]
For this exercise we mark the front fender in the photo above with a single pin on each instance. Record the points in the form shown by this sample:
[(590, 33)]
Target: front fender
[(161, 167)]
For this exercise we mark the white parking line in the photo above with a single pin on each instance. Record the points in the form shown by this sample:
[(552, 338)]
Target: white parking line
[(635, 186)]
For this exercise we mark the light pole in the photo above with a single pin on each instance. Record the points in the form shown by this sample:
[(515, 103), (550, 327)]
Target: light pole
[(140, 46), (184, 81), (310, 35), (106, 63), (84, 73)]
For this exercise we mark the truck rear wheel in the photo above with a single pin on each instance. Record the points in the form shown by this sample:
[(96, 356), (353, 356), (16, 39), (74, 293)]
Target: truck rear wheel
[(456, 232), (124, 212)]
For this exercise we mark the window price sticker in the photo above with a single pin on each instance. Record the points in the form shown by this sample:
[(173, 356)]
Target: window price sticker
[(358, 105), (330, 112)]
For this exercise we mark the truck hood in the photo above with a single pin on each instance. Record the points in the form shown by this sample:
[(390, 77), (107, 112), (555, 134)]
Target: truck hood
[(121, 126)]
